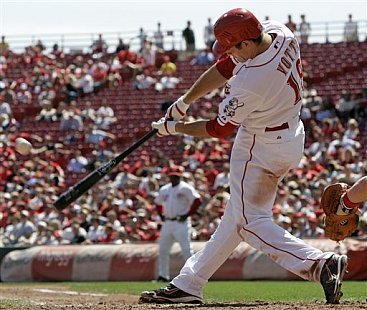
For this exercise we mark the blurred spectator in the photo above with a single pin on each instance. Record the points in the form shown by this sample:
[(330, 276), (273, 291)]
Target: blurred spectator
[(4, 106), (8, 94), (144, 80), (23, 233), (209, 37), (74, 234), (4, 47), (121, 236), (57, 51), (99, 45), (167, 66), (110, 234), (222, 179), (8, 123), (142, 36), (96, 231), (78, 164), (189, 37), (99, 74), (24, 96), (105, 116), (71, 121), (84, 83), (205, 57), (47, 113), (148, 54), (158, 37), (291, 24), (47, 93), (88, 113), (304, 29), (352, 130), (97, 136), (350, 30), (313, 101), (121, 46), (168, 80), (345, 106), (40, 46)]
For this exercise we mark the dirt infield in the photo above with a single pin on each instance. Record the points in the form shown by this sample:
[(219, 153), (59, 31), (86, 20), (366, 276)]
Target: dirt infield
[(42, 298)]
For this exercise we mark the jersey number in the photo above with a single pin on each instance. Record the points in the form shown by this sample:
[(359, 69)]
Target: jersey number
[(295, 81)]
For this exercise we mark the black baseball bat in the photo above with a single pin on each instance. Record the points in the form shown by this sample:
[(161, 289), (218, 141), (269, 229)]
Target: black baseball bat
[(74, 192)]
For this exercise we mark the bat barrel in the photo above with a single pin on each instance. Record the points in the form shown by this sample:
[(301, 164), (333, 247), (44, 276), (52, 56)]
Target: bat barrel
[(74, 192)]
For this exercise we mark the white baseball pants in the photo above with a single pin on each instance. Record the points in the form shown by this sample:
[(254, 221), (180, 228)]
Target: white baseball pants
[(173, 231), (259, 161)]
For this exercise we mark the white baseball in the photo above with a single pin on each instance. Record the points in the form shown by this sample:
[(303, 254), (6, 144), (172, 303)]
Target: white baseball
[(23, 146)]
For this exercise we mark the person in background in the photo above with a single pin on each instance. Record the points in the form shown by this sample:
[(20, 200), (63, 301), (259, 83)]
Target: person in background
[(99, 45), (209, 37), (4, 46), (189, 37), (304, 29), (291, 24), (158, 37), (350, 30), (177, 201)]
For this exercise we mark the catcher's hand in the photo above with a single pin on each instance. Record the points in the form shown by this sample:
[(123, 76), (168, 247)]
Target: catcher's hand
[(337, 227), (177, 110), (165, 127)]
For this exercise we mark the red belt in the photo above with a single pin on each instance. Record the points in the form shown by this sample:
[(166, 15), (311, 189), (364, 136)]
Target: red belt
[(281, 127)]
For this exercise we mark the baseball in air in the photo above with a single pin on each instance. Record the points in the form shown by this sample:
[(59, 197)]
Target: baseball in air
[(23, 146)]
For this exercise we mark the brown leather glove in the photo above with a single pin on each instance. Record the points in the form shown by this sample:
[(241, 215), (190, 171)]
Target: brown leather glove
[(337, 227)]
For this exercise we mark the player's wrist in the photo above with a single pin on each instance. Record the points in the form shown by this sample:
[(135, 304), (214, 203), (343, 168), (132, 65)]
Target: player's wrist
[(171, 127), (181, 105)]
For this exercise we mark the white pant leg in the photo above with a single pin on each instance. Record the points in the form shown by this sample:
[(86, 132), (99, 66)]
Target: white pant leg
[(288, 251), (182, 234), (253, 189), (165, 242), (202, 265)]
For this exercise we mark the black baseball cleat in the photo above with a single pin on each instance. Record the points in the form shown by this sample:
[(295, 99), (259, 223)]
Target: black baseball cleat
[(169, 294), (332, 276)]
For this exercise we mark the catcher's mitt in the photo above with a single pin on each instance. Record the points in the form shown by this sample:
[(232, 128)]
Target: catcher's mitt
[(337, 227)]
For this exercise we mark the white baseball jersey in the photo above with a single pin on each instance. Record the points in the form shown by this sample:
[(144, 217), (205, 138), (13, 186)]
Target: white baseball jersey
[(263, 98), (176, 200), (265, 91)]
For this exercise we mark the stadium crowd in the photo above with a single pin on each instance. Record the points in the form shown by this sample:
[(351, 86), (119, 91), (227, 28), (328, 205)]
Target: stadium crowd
[(121, 208)]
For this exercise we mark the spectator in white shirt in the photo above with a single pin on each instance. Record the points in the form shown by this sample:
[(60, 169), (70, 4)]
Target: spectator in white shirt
[(350, 30)]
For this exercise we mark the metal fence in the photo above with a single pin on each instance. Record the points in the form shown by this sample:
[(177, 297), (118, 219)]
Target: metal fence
[(321, 32)]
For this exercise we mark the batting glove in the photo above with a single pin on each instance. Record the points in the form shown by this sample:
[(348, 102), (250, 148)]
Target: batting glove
[(164, 127), (177, 110)]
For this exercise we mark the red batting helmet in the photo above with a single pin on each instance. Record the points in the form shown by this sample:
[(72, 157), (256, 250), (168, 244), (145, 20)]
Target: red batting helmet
[(233, 27)]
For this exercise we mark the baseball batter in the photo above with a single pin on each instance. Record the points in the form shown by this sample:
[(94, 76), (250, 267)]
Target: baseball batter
[(263, 100), (179, 200)]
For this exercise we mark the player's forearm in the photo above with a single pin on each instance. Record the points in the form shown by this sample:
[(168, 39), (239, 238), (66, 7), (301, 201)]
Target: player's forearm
[(195, 129), (207, 82), (358, 192)]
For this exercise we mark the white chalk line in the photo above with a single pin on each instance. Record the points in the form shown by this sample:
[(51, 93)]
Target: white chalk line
[(43, 290)]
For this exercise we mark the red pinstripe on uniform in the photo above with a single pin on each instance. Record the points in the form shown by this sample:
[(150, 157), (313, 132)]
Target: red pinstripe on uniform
[(274, 247), (243, 178), (166, 127)]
